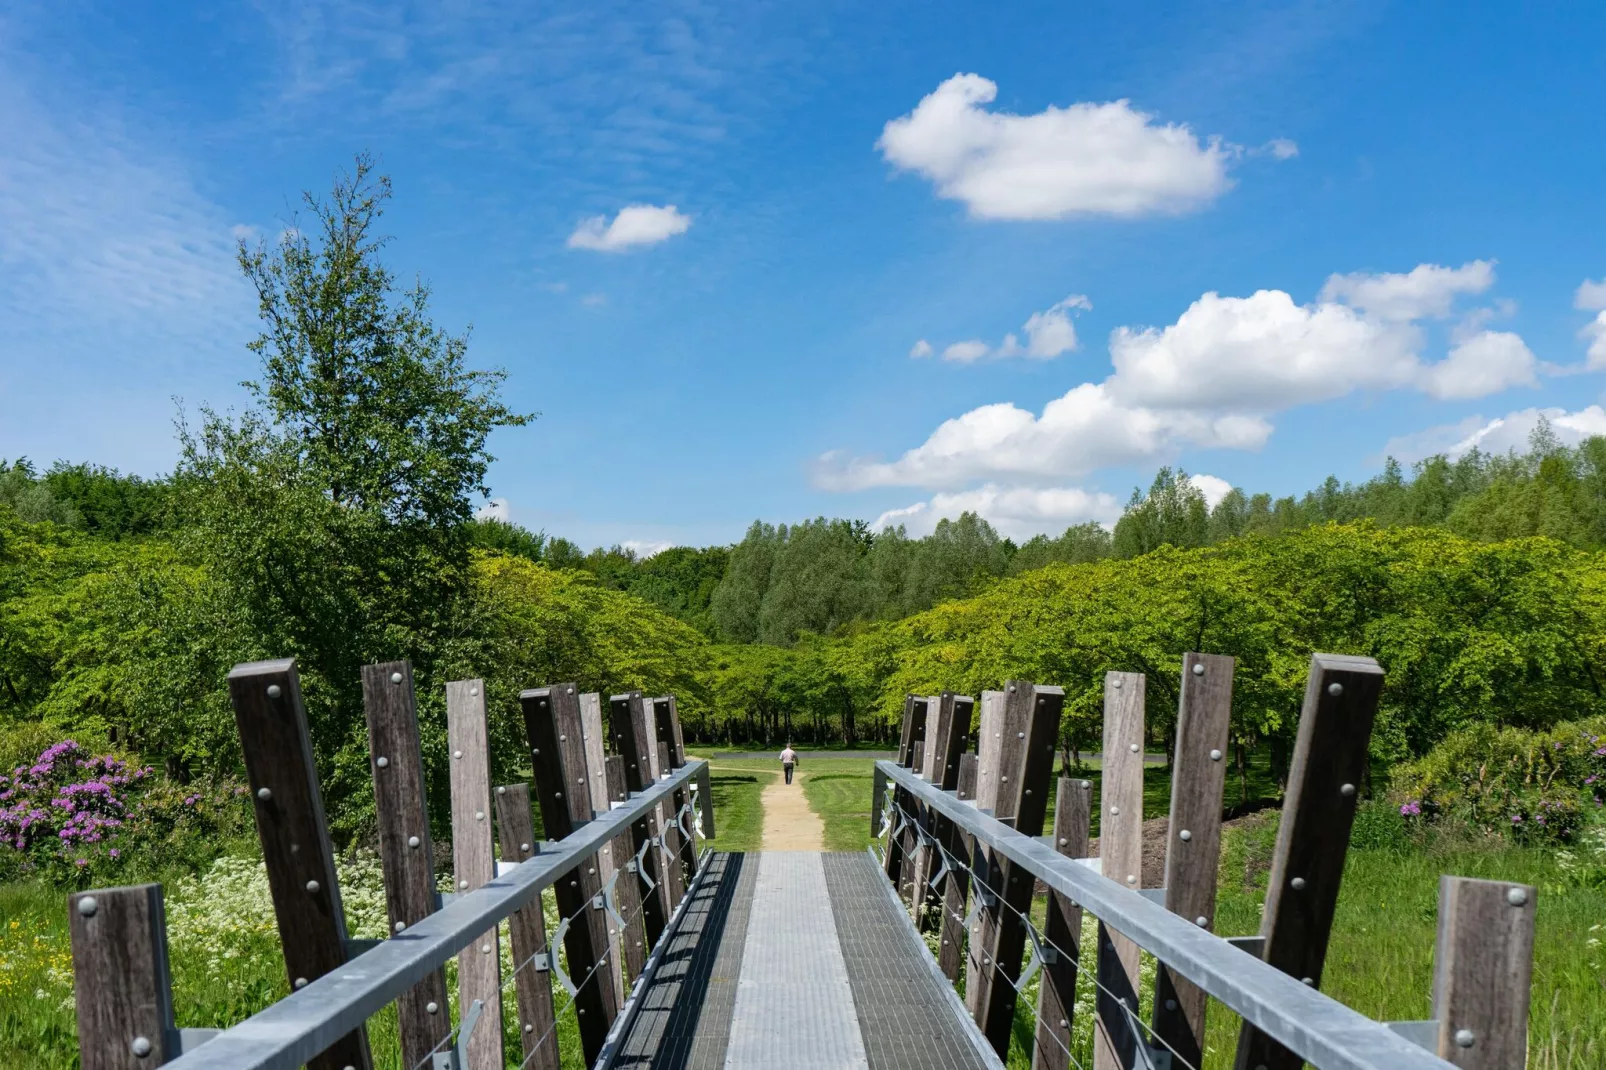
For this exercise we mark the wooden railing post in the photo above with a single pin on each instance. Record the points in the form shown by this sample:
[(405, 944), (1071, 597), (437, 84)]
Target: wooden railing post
[(635, 737), (667, 713), (989, 756), (899, 863), (1034, 713), (295, 837), (607, 864), (121, 983), (526, 931), (674, 876), (1193, 849), (557, 751), (1335, 730), (634, 937), (1056, 999), (944, 744), (479, 965), (956, 893), (1116, 1038), (1482, 972), (406, 854)]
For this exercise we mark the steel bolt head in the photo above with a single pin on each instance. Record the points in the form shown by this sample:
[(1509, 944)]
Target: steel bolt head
[(399, 926), (1202, 921), (141, 1047), (413, 841), (1517, 896), (501, 791), (301, 982), (1133, 748), (1307, 981), (432, 1007), (1215, 755), (1131, 879), (312, 887), (395, 677), (462, 884), (485, 949), (274, 691), (1464, 1038), (1171, 1004), (457, 754), (1115, 811), (1198, 669), (474, 691), (1116, 683), (87, 906), (529, 1028), (264, 794), (382, 761), (1186, 835), (1297, 884), (1064, 842), (479, 815), (524, 847), (1348, 791), (1335, 689)]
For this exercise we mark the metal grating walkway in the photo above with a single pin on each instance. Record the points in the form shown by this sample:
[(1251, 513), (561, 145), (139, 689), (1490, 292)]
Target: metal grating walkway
[(799, 959)]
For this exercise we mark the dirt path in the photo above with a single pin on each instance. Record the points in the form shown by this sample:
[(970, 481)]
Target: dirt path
[(789, 824)]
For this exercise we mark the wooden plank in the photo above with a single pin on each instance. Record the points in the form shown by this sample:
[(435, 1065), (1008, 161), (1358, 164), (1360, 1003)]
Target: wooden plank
[(121, 984), (557, 751), (898, 862), (635, 737), (1335, 730), (1033, 711), (944, 744), (1056, 998), (1483, 972), (597, 785), (1121, 859), (406, 854), (1193, 849), (956, 892), (628, 890), (526, 931), (989, 754), (295, 837), (674, 875), (479, 965), (667, 714)]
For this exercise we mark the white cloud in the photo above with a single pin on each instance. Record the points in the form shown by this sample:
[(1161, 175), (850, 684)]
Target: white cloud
[(1085, 159), (966, 352), (1214, 488), (1486, 363), (920, 349), (495, 509), (645, 548), (1049, 334), (1590, 295), (1281, 148), (1428, 290), (1499, 435), (1017, 512), (638, 224)]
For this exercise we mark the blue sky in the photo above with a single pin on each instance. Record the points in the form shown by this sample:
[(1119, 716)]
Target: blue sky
[(882, 261)]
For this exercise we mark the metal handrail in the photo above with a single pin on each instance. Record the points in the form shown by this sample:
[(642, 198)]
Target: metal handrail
[(1317, 1027), (295, 1029)]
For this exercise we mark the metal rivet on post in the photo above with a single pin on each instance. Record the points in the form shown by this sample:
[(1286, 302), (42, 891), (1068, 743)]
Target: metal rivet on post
[(462, 884), (1347, 790), (1011, 689), (395, 677), (1133, 748), (399, 926), (1297, 884), (274, 691), (1517, 896), (87, 906), (1171, 1004), (1198, 669), (1186, 835), (1307, 981), (1064, 842), (1215, 755), (1202, 921), (1335, 689), (1131, 879), (1116, 683), (301, 982), (474, 691), (312, 887), (141, 1047), (501, 791), (412, 841), (1464, 1038), (382, 761), (535, 750), (1115, 811), (485, 949), (529, 1028), (479, 815), (1020, 735), (432, 1007), (524, 847), (457, 754)]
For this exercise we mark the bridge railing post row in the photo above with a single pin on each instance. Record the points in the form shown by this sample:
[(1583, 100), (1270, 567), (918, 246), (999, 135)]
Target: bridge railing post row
[(989, 744), (634, 938), (926, 856), (918, 709), (1483, 973), (526, 930), (667, 714), (406, 853), (635, 737), (894, 860), (1034, 712), (956, 889), (122, 986), (607, 861), (272, 722), (1193, 844), (479, 966), (669, 837), (1115, 1038), (1056, 998), (1335, 731), (557, 751)]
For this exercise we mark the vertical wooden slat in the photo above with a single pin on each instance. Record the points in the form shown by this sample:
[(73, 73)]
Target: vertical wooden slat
[(635, 737), (1193, 849), (1482, 972), (1120, 859), (597, 785), (1335, 730), (989, 755), (900, 857), (1034, 713), (944, 744), (121, 984), (674, 875), (406, 854), (667, 714), (628, 890), (557, 751), (526, 930), (1056, 999), (479, 965), (295, 837), (956, 893)]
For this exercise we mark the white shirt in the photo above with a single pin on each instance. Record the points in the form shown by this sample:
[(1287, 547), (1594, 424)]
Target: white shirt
[(789, 756)]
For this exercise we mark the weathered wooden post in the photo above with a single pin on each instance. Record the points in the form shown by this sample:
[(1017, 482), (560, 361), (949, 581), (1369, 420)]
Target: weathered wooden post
[(1482, 970), (913, 735), (1116, 1036), (635, 737), (1335, 730), (526, 931), (674, 875), (989, 744), (121, 982), (956, 892), (927, 857), (1056, 999), (479, 965), (909, 846), (295, 837), (1033, 712), (1193, 849), (597, 787), (628, 890), (557, 750), (667, 713), (944, 746), (406, 854)]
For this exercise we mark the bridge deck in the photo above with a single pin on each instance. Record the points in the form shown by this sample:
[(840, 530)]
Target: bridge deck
[(798, 959)]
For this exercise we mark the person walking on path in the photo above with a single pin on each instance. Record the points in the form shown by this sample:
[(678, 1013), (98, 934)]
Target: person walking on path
[(788, 761)]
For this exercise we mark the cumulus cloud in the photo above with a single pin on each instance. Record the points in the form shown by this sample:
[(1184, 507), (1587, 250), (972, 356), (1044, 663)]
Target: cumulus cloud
[(1049, 334), (1214, 488), (645, 548), (495, 509), (920, 349), (1591, 297), (1281, 148), (1085, 159), (966, 352), (1428, 290), (1499, 435), (1486, 363), (1017, 512), (635, 225)]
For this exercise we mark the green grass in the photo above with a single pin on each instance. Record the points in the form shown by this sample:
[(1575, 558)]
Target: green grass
[(840, 790), (738, 814)]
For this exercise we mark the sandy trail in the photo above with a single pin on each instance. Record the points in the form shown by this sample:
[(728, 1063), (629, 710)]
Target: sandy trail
[(789, 824)]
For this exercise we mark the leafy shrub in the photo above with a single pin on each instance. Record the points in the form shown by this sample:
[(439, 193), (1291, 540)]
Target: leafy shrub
[(1379, 825), (1542, 786)]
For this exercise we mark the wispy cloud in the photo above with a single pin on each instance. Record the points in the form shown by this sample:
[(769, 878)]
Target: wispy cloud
[(634, 226)]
